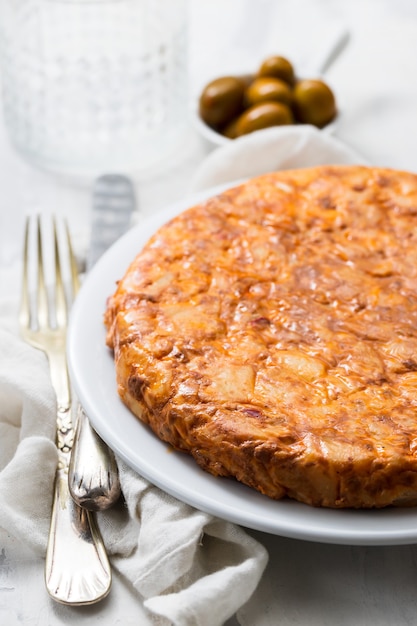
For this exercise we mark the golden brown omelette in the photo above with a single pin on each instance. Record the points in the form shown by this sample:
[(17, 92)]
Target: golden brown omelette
[(271, 332)]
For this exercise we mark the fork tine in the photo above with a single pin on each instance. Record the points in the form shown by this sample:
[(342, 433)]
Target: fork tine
[(60, 300), (44, 318), (75, 281), (24, 312)]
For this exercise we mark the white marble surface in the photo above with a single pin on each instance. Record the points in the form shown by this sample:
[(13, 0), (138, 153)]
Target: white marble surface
[(376, 84)]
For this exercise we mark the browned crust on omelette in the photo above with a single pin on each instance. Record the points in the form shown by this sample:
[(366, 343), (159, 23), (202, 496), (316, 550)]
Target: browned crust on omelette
[(271, 332)]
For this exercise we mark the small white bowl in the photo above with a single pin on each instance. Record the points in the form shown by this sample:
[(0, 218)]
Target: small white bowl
[(217, 139)]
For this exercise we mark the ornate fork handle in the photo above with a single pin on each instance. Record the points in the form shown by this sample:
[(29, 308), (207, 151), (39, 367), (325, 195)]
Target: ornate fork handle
[(77, 569), (74, 543)]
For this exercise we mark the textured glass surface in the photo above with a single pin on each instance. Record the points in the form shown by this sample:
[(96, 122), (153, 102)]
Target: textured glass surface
[(94, 84)]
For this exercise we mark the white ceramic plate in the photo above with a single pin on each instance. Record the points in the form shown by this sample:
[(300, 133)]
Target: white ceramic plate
[(92, 372)]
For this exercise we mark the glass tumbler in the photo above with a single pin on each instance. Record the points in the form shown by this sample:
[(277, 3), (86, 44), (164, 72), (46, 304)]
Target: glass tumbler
[(94, 85)]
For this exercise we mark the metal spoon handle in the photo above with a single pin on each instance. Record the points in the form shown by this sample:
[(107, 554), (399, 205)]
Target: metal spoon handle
[(335, 49), (321, 62)]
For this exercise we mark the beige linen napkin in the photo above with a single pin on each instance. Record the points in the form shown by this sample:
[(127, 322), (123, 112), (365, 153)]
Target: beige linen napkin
[(28, 455)]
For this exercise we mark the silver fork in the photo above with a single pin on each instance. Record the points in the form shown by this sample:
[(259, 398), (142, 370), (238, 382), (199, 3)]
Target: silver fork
[(77, 569)]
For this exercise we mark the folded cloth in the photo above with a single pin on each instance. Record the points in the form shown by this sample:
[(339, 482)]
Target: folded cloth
[(277, 148), (28, 455)]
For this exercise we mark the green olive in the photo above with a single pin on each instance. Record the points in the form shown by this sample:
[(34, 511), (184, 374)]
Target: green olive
[(246, 79), (221, 100), (314, 103), (278, 67), (230, 130), (267, 88), (263, 115)]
